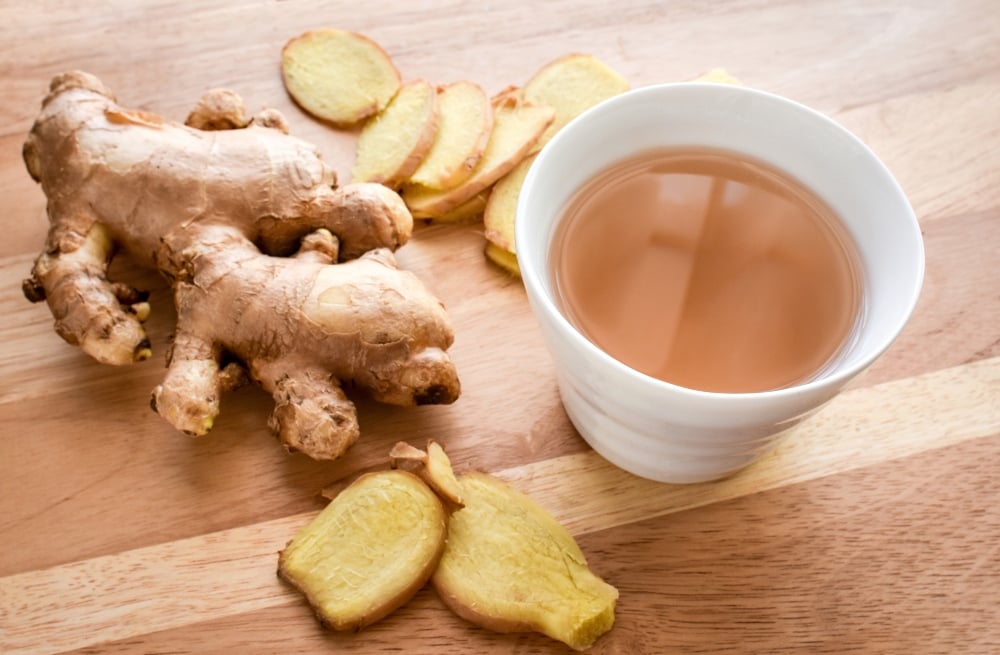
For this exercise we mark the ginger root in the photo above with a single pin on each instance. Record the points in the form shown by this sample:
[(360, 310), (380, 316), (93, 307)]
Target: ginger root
[(220, 212)]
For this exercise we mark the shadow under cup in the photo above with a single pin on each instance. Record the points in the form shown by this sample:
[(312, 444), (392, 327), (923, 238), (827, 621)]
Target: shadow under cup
[(670, 433)]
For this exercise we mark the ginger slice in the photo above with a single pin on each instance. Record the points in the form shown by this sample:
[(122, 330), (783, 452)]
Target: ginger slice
[(502, 258), (394, 143), (468, 212), (440, 475), (339, 76), (571, 85), (517, 126), (466, 120), (509, 566), (368, 551), (403, 455), (433, 467), (498, 216)]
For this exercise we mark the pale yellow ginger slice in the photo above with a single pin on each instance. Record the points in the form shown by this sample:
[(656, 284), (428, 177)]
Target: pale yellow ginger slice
[(509, 566), (440, 475), (466, 120), (406, 456), (468, 212), (498, 217), (717, 75), (502, 258), (339, 76), (517, 126), (433, 467), (368, 551), (393, 144), (571, 85)]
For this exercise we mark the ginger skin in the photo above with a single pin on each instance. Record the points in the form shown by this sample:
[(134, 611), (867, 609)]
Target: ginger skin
[(220, 211)]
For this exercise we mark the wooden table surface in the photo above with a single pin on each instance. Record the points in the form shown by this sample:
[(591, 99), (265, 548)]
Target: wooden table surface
[(875, 528)]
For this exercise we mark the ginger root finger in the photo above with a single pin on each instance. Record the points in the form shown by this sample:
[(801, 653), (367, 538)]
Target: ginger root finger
[(312, 415), (427, 377), (368, 551), (363, 216), (189, 396), (271, 119), (509, 566), (397, 329), (87, 307), (368, 216), (320, 246), (218, 109)]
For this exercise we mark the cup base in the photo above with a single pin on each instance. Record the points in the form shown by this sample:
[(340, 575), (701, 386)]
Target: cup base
[(651, 456)]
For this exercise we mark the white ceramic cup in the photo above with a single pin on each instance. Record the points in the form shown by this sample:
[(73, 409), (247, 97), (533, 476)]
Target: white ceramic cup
[(663, 431)]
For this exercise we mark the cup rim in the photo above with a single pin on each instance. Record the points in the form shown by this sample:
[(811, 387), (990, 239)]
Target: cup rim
[(544, 302)]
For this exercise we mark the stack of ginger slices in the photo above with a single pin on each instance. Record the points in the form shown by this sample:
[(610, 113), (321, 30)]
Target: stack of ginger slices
[(452, 152)]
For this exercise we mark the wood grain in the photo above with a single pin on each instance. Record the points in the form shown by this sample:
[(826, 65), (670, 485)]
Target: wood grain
[(873, 528), (165, 584)]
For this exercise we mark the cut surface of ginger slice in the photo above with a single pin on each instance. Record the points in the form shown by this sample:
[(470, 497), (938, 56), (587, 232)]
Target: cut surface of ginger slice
[(509, 566), (368, 551), (571, 85), (432, 465), (517, 126), (466, 119), (339, 76), (393, 143), (501, 207)]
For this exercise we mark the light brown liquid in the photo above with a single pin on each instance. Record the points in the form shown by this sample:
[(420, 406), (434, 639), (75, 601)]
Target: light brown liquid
[(707, 270)]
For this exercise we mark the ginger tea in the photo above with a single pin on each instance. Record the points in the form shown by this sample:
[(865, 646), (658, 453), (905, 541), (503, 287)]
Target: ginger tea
[(708, 270)]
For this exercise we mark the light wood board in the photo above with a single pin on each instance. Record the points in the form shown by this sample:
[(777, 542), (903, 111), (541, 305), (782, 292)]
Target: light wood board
[(874, 528)]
